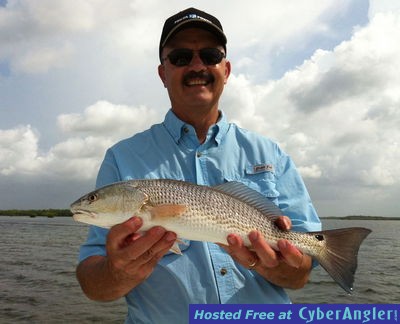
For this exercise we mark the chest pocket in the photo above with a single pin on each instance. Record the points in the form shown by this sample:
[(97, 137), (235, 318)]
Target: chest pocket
[(260, 178)]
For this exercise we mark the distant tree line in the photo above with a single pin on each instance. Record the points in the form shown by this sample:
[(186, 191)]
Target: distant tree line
[(361, 217), (36, 212)]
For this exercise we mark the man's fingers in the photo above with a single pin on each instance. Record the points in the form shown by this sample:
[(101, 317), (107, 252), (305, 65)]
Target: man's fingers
[(292, 256), (284, 223), (144, 246), (161, 247), (152, 256), (144, 263), (125, 244), (238, 251), (265, 253), (241, 253), (119, 233)]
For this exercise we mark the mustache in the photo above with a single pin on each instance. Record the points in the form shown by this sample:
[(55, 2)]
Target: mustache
[(198, 75)]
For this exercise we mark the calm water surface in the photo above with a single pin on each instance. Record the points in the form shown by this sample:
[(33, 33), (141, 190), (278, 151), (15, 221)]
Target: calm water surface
[(39, 256)]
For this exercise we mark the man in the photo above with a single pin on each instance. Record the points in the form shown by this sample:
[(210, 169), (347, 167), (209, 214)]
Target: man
[(195, 143)]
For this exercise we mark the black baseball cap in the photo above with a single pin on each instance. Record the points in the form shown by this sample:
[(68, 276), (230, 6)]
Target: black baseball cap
[(191, 17)]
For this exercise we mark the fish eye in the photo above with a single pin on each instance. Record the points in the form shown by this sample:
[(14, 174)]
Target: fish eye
[(92, 198), (319, 237)]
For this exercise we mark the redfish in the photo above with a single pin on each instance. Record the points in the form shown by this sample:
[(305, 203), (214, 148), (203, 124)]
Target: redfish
[(203, 213)]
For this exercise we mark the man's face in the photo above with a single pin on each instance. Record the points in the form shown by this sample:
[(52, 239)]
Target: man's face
[(196, 85)]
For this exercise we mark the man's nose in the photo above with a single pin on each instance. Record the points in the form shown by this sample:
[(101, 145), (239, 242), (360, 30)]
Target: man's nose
[(196, 63)]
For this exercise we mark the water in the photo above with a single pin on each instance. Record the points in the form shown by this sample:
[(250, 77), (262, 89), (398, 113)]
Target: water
[(377, 277), (38, 260), (37, 274)]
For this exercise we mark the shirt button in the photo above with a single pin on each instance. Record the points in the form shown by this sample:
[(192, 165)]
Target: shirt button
[(198, 154), (185, 129), (223, 271)]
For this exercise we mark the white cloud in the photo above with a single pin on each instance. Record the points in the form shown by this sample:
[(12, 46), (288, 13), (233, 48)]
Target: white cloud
[(382, 6), (312, 171), (38, 35), (270, 14), (74, 158), (78, 156), (40, 60), (18, 150), (122, 27), (336, 114), (108, 120)]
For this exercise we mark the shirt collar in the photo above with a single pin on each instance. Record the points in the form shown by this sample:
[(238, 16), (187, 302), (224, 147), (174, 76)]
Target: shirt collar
[(175, 127)]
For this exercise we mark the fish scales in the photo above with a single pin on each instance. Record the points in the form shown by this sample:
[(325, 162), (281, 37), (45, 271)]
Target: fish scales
[(210, 214), (211, 211)]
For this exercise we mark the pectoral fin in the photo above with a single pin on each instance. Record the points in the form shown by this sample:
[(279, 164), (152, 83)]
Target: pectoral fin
[(182, 242), (162, 213), (166, 211)]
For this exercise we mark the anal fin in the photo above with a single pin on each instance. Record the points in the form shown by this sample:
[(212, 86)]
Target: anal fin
[(175, 248), (182, 242)]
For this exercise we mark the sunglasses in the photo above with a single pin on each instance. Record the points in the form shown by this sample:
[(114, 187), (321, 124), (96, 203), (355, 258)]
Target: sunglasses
[(183, 56)]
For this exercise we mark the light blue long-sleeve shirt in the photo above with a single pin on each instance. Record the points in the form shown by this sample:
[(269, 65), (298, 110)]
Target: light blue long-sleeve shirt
[(204, 273)]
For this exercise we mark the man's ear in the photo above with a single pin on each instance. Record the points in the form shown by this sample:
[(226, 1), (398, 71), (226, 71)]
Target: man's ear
[(227, 71), (161, 73)]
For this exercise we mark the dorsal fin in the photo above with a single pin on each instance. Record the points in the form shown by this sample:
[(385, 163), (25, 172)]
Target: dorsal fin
[(249, 196)]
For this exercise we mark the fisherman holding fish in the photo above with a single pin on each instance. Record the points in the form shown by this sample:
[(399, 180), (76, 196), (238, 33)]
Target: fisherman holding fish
[(196, 144)]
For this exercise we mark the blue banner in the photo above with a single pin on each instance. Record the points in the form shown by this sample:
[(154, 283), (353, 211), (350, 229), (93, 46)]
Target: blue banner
[(296, 313)]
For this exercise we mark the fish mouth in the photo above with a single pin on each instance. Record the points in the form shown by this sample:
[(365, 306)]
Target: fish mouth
[(78, 213)]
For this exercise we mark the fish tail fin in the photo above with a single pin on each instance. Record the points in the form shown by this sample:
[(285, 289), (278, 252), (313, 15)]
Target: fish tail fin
[(339, 258)]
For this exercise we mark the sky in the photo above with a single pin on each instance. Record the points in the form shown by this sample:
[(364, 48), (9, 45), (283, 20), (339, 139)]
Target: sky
[(319, 77)]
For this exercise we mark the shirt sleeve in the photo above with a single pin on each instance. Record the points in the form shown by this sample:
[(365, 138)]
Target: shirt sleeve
[(109, 171), (96, 240), (294, 199)]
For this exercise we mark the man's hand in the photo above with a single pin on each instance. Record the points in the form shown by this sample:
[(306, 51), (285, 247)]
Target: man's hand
[(288, 268), (131, 258)]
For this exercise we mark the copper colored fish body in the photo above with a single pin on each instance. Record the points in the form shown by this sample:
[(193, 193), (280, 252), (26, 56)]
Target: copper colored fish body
[(210, 214)]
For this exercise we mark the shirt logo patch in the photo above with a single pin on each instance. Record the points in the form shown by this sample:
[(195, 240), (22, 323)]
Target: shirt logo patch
[(263, 168)]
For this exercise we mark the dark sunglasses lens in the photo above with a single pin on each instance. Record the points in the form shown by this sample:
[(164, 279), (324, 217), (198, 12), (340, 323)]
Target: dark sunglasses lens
[(180, 57), (211, 56), (183, 56)]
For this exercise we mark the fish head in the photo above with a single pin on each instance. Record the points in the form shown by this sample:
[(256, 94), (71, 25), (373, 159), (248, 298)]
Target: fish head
[(109, 205)]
